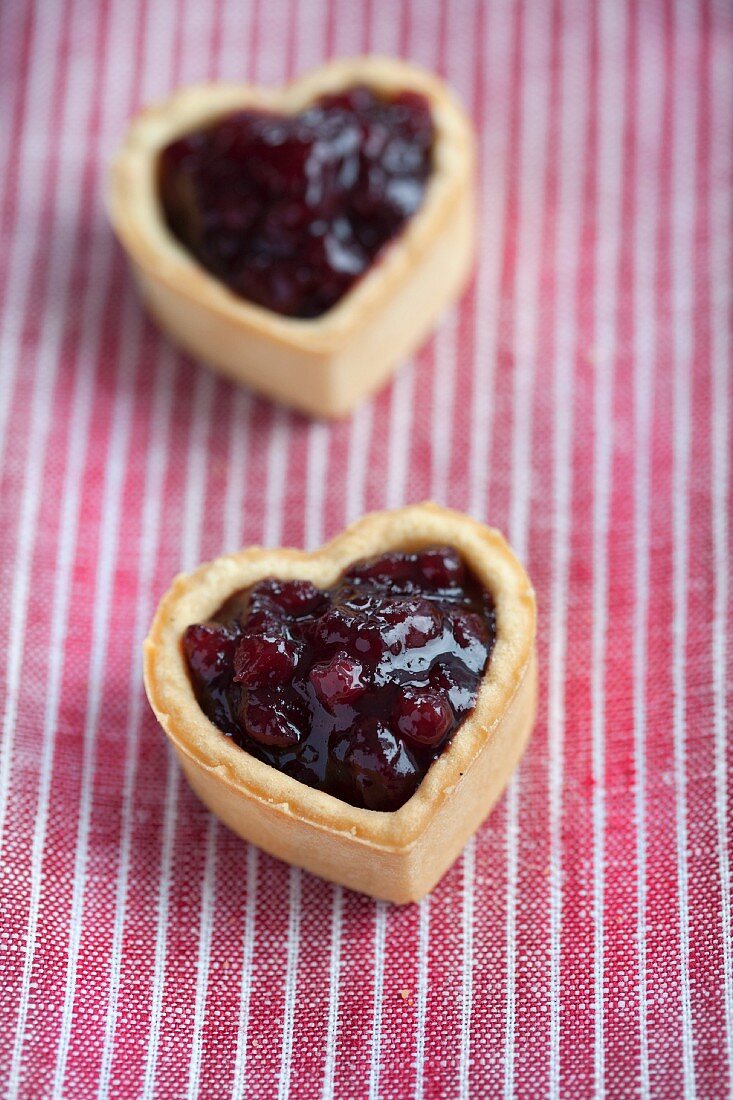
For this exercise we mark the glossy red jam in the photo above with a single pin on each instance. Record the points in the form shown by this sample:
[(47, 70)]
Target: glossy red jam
[(290, 211), (354, 690)]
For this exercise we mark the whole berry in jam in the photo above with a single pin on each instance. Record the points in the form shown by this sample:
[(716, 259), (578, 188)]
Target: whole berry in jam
[(268, 723), (442, 569), (354, 689), (340, 680), (290, 211), (371, 766), (264, 660), (411, 623), (294, 597), (209, 649), (422, 716)]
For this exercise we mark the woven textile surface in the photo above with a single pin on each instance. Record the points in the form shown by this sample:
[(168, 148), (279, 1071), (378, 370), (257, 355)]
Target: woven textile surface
[(578, 397)]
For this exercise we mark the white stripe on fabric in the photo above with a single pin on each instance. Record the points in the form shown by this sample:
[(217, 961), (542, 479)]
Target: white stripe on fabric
[(239, 434), (277, 471), (649, 68), (333, 993), (233, 536), (311, 27), (497, 51), (453, 42), (684, 158), (534, 122), (609, 166), (277, 465), (318, 437), (423, 957), (157, 69), (355, 474), (721, 238), (169, 813), (467, 922), (248, 956), (208, 882), (235, 58), (245, 1000), (458, 49), (443, 399), (380, 936), (398, 462), (291, 978), (149, 542), (574, 68), (400, 435), (348, 30), (357, 464), (190, 551), (208, 902)]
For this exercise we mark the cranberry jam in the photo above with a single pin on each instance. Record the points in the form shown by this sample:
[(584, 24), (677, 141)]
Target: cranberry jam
[(290, 211), (354, 690)]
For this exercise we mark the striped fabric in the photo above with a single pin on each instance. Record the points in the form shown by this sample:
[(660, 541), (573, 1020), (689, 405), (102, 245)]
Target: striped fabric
[(578, 398)]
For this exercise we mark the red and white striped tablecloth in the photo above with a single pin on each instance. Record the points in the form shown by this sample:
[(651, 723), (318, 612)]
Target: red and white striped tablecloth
[(578, 397)]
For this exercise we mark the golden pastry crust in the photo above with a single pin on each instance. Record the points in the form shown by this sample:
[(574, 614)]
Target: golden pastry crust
[(397, 856), (326, 365)]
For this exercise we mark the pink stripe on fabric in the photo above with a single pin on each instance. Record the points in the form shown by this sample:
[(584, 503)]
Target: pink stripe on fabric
[(719, 229), (532, 1042), (577, 1039), (707, 952), (663, 991), (647, 155), (607, 608), (685, 30), (622, 1006), (534, 146)]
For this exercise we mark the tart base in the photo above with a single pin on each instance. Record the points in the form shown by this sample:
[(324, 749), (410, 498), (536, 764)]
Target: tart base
[(326, 365), (391, 874), (396, 856), (324, 382)]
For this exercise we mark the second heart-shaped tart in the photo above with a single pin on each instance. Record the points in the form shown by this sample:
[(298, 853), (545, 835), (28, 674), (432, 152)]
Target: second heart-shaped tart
[(357, 710), (304, 240)]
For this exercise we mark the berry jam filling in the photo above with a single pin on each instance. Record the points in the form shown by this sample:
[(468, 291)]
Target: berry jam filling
[(289, 211), (356, 689)]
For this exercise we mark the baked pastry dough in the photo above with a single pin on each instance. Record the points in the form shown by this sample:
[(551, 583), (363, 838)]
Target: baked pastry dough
[(397, 856), (325, 365)]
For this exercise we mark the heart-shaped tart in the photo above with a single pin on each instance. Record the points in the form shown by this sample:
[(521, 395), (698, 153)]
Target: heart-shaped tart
[(302, 241), (356, 710)]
